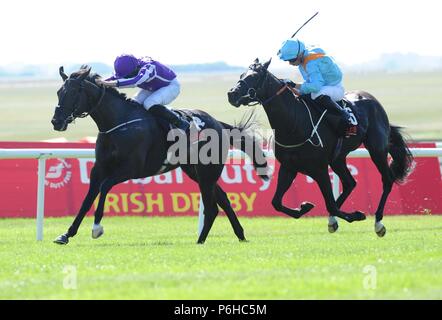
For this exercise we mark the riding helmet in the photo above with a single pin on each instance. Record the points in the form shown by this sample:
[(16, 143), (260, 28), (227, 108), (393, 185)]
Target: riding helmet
[(290, 49), (125, 64)]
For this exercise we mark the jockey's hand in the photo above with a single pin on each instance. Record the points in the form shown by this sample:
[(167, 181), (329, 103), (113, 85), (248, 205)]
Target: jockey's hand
[(289, 82), (111, 83), (297, 89), (294, 87)]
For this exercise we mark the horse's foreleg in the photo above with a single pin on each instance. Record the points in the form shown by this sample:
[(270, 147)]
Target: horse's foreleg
[(210, 208), (105, 187), (285, 179), (94, 187), (224, 203)]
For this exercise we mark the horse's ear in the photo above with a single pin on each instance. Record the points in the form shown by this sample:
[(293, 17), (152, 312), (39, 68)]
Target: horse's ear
[(266, 64), (62, 74), (256, 61), (85, 72)]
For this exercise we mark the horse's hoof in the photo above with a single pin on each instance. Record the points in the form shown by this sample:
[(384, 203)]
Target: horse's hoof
[(381, 232), (243, 240), (200, 242), (332, 228), (306, 207), (358, 216), (63, 239), (97, 231)]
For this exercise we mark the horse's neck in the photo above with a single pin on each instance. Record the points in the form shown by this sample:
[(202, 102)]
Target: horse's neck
[(112, 112), (287, 116)]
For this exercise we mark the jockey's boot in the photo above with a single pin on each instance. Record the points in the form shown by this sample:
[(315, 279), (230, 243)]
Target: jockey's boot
[(329, 104), (170, 116)]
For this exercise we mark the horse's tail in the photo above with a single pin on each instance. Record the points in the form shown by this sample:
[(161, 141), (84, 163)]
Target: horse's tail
[(244, 136), (403, 162)]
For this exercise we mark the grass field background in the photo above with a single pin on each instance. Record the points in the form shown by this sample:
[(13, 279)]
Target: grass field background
[(411, 100), (158, 258)]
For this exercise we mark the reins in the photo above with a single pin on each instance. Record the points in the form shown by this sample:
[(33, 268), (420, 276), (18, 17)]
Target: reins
[(100, 100), (86, 113), (314, 132), (295, 93)]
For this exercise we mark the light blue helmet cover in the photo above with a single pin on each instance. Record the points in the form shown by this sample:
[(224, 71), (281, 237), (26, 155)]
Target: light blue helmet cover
[(290, 49)]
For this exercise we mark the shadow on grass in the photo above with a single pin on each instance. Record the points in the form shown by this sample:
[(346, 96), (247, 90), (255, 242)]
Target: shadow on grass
[(394, 230)]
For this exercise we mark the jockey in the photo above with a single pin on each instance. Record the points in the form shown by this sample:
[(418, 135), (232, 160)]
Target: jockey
[(158, 85), (323, 78)]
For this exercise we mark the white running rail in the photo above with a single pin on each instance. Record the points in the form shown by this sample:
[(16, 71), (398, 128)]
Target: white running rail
[(43, 154)]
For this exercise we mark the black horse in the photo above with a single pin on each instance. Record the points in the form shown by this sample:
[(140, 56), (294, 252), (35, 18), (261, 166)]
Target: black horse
[(305, 143), (132, 143)]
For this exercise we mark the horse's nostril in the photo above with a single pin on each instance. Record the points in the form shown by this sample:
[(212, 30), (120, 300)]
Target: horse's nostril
[(231, 96)]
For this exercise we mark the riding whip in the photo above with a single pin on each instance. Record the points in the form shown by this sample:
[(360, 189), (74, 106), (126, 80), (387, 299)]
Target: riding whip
[(304, 24)]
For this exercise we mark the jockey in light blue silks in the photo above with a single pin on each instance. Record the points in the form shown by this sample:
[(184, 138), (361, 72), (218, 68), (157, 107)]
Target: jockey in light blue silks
[(323, 77), (158, 85)]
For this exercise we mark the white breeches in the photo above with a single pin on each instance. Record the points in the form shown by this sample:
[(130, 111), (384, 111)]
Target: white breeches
[(163, 96), (336, 92)]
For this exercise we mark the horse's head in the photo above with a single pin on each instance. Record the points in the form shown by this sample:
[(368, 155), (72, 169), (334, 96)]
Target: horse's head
[(72, 98), (251, 85)]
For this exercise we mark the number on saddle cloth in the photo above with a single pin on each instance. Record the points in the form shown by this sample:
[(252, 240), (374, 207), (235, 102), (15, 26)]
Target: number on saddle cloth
[(344, 104)]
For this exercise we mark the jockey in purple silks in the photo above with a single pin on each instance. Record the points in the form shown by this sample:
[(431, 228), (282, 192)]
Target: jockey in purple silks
[(158, 85)]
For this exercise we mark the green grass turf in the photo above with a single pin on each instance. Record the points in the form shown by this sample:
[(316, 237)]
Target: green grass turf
[(411, 100), (157, 258)]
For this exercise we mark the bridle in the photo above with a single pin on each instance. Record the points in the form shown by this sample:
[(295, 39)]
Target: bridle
[(252, 92), (84, 114)]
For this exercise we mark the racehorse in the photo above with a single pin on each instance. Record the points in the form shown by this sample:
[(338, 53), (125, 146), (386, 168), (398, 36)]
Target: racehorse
[(304, 143), (132, 143)]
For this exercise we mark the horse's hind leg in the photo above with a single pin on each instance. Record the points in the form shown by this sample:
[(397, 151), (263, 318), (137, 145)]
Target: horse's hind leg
[(339, 166), (94, 187), (224, 203), (285, 179), (379, 158), (321, 176)]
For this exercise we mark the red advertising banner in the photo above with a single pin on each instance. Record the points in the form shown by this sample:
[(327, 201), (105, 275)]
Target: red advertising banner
[(174, 194)]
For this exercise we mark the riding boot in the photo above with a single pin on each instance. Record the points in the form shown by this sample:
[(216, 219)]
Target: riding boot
[(333, 107), (164, 113)]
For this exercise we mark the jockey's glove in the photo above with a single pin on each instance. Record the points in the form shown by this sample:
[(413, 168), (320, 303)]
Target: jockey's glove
[(289, 82)]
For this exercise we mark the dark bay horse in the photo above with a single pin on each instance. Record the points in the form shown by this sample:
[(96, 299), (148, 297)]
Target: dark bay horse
[(132, 144), (304, 143)]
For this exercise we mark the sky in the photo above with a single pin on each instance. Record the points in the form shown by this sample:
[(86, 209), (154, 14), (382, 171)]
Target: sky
[(194, 31)]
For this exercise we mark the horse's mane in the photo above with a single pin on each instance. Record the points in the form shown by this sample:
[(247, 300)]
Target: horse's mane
[(93, 76)]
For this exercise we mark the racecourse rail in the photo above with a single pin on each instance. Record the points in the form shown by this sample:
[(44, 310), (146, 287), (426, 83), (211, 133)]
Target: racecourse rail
[(43, 154)]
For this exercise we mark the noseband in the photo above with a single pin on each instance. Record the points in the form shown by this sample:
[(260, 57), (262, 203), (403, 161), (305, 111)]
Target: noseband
[(251, 94)]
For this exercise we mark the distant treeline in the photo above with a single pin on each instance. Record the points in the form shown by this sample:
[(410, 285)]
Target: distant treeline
[(51, 71)]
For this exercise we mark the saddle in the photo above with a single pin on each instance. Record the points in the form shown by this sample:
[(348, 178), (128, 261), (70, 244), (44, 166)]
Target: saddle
[(166, 126), (196, 122), (333, 120)]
